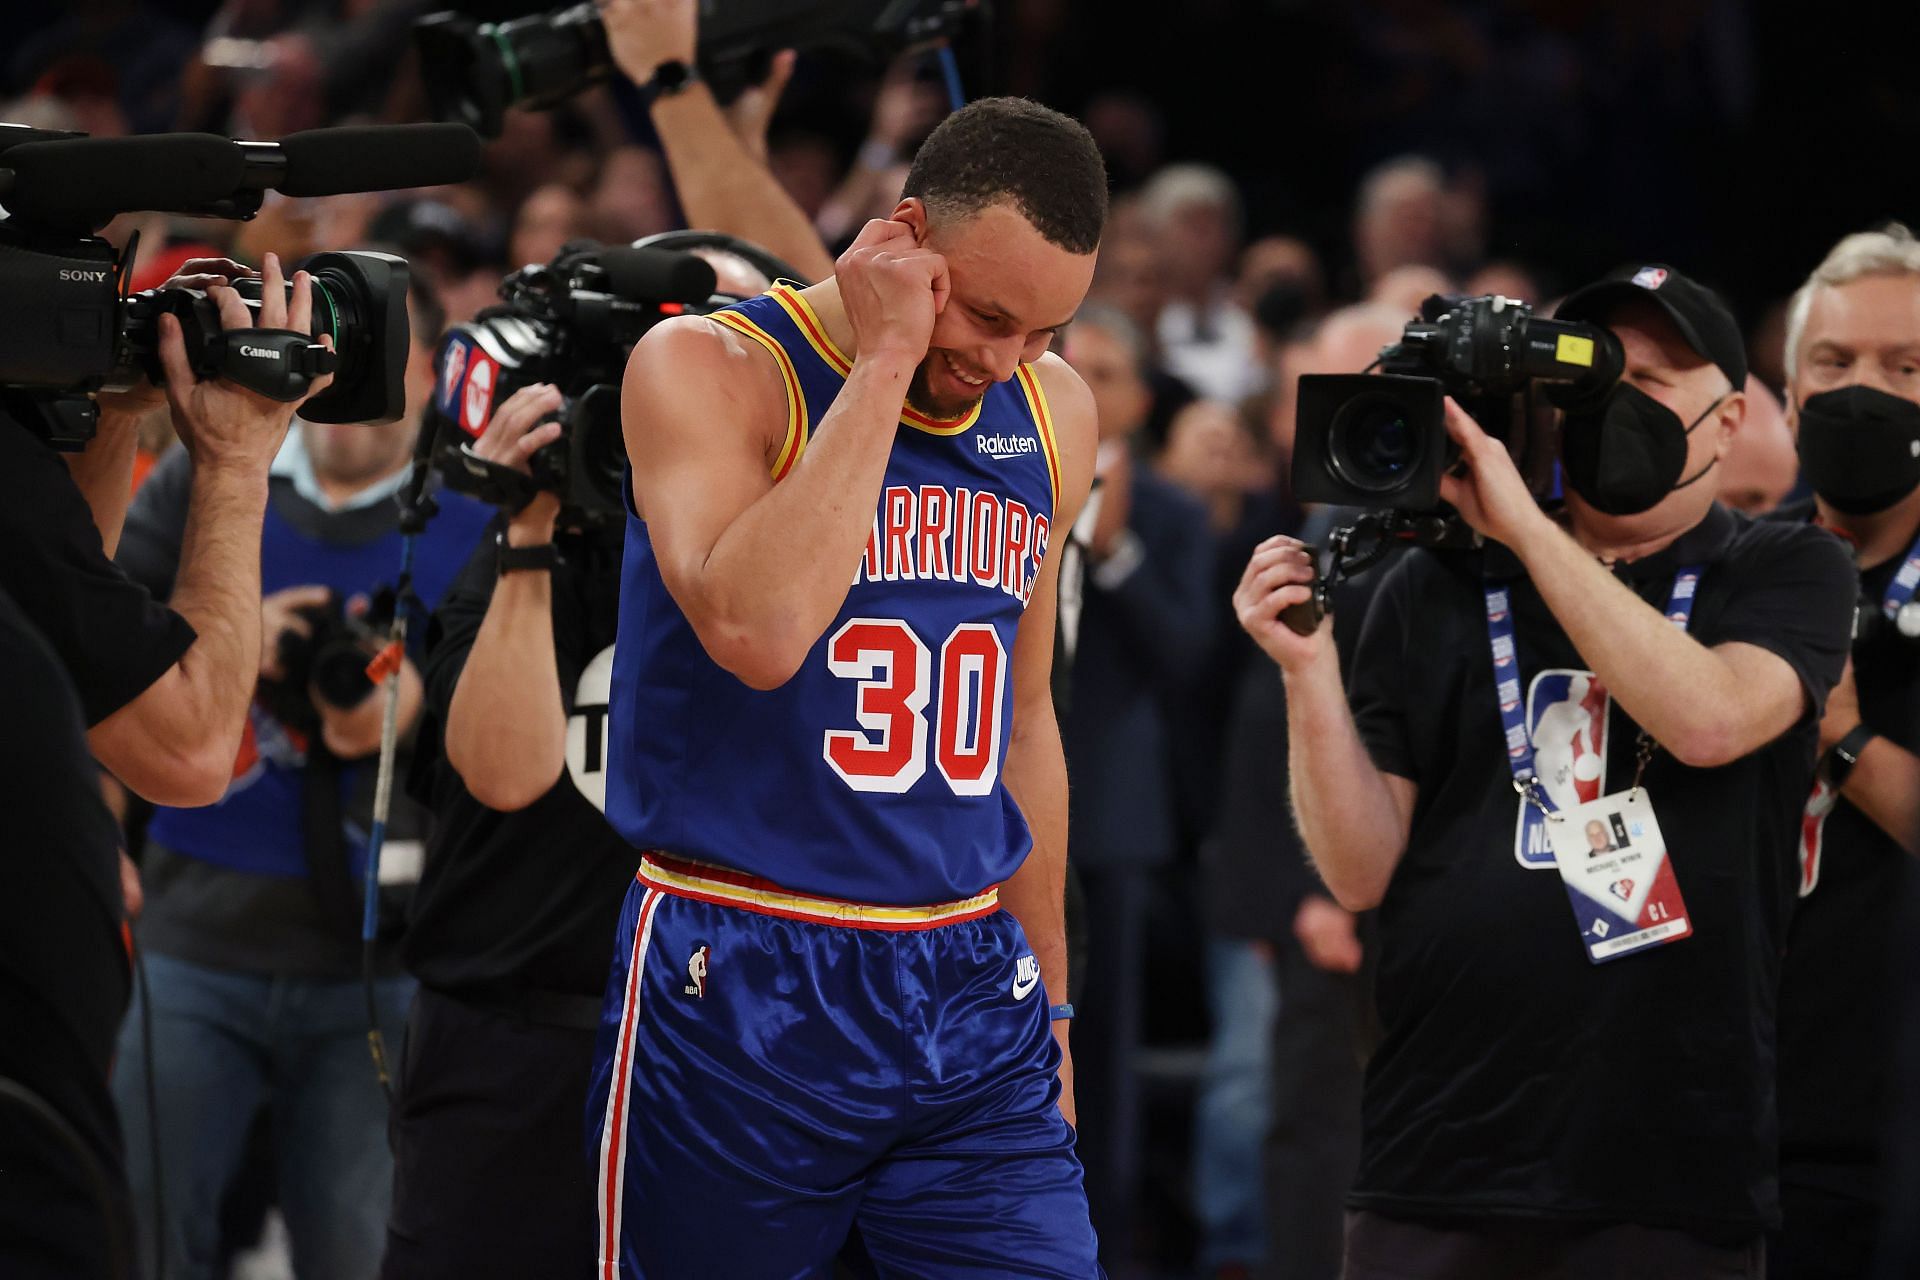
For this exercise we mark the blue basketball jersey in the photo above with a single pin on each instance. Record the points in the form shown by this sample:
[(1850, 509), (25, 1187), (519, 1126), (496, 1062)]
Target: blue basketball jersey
[(874, 774)]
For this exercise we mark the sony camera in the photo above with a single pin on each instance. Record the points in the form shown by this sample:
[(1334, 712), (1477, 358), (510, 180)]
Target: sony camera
[(71, 328), (475, 71), (1375, 441), (571, 322)]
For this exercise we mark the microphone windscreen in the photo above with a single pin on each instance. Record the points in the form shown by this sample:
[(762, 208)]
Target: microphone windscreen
[(72, 179), (656, 275), (331, 162)]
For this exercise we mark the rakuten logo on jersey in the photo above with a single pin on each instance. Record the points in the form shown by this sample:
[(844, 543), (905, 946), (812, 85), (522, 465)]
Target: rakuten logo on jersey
[(1005, 446)]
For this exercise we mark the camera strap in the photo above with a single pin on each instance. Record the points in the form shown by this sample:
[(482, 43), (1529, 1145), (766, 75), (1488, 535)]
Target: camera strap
[(280, 364), (1509, 691)]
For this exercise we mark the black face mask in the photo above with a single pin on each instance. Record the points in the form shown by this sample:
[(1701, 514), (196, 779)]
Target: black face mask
[(1860, 448), (1624, 454)]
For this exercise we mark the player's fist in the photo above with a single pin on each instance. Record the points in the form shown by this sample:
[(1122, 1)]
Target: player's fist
[(1280, 574), (893, 290)]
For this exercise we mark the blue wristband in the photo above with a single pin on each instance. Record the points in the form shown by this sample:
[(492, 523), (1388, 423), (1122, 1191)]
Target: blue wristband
[(1062, 1011)]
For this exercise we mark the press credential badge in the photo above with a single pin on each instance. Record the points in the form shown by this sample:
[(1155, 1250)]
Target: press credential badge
[(1613, 860)]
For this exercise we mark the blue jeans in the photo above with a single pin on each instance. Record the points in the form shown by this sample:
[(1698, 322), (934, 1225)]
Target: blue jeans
[(224, 1043), (1236, 1102)]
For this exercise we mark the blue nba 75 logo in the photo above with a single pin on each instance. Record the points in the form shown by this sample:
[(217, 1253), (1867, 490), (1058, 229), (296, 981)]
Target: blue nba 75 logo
[(1567, 723)]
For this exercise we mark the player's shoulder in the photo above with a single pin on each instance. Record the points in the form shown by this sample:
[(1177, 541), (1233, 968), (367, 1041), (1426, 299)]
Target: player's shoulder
[(704, 353), (1070, 405)]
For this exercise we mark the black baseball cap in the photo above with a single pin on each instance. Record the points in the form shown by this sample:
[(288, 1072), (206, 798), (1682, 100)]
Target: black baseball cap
[(1696, 311)]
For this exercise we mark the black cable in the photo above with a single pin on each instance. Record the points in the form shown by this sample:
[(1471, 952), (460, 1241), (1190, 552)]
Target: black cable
[(153, 1115), (96, 1173)]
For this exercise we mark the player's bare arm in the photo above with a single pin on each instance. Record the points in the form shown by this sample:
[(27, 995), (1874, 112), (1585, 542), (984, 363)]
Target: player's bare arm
[(1036, 771), (760, 568)]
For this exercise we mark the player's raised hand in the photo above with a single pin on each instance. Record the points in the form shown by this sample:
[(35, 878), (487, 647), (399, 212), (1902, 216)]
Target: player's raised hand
[(893, 290)]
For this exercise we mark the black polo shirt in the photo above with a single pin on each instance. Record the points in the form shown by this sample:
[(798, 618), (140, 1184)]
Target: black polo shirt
[(1515, 1077), (531, 899), (1838, 998)]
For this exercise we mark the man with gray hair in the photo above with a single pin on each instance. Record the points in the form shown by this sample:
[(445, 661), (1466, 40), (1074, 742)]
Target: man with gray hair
[(1399, 218), (1853, 382), (1193, 212)]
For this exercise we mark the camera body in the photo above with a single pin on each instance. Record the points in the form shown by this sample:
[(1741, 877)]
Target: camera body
[(71, 329), (1381, 441), (329, 663), (572, 323), (475, 71)]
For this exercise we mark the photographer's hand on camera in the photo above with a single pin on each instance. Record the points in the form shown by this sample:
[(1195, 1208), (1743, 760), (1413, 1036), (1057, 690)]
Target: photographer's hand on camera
[(282, 613), (1279, 576), (221, 424), (1486, 487), (506, 726)]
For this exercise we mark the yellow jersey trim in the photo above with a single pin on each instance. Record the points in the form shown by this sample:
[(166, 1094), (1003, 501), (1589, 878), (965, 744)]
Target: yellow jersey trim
[(795, 442), (1043, 421)]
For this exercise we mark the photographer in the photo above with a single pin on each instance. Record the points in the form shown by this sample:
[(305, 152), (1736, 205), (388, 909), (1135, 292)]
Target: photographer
[(1554, 1091), (1853, 375), (251, 927), (163, 690)]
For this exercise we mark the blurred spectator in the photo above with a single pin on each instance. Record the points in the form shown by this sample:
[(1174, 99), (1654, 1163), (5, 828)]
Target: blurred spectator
[(1131, 278), (1761, 466), (807, 165), (144, 47), (1205, 337), (548, 219), (630, 199), (1213, 456), (1281, 285), (1142, 637), (456, 257), (1399, 218), (1403, 289), (1131, 134), (904, 113), (1507, 278)]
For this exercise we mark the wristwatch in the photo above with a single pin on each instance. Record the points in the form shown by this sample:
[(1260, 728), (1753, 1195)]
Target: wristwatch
[(671, 77), (1844, 754), (508, 558)]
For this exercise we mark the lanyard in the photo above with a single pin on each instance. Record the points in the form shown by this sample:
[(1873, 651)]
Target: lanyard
[(1506, 677), (1900, 594)]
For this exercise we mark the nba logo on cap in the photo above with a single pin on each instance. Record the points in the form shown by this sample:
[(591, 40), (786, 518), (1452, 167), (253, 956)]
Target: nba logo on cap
[(1650, 277)]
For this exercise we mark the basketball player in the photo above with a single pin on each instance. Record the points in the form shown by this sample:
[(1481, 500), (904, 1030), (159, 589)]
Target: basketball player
[(830, 727)]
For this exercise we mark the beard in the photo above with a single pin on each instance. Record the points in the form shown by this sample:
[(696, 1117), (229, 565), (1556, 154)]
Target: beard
[(921, 396)]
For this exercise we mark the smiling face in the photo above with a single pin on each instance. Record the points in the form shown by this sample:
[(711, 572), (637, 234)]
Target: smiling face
[(1012, 291)]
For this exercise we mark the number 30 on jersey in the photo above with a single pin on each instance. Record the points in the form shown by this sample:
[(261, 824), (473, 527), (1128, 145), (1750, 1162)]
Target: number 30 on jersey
[(897, 675)]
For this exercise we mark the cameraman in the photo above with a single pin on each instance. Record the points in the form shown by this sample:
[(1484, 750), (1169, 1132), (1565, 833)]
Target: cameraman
[(1853, 374), (251, 926), (1531, 1110), (163, 690), (511, 931)]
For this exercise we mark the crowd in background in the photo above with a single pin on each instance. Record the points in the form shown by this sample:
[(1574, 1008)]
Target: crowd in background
[(1217, 288)]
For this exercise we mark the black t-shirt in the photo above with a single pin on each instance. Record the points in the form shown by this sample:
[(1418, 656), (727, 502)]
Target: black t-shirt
[(1838, 998), (1515, 1077), (528, 899), (114, 638), (63, 969)]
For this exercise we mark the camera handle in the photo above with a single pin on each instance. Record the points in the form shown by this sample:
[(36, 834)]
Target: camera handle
[(1364, 542), (280, 364)]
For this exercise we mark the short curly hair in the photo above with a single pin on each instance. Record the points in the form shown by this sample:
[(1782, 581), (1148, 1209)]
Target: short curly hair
[(1043, 163)]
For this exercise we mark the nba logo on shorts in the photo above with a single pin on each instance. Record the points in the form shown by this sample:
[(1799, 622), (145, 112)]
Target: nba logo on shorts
[(1567, 721), (697, 971)]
